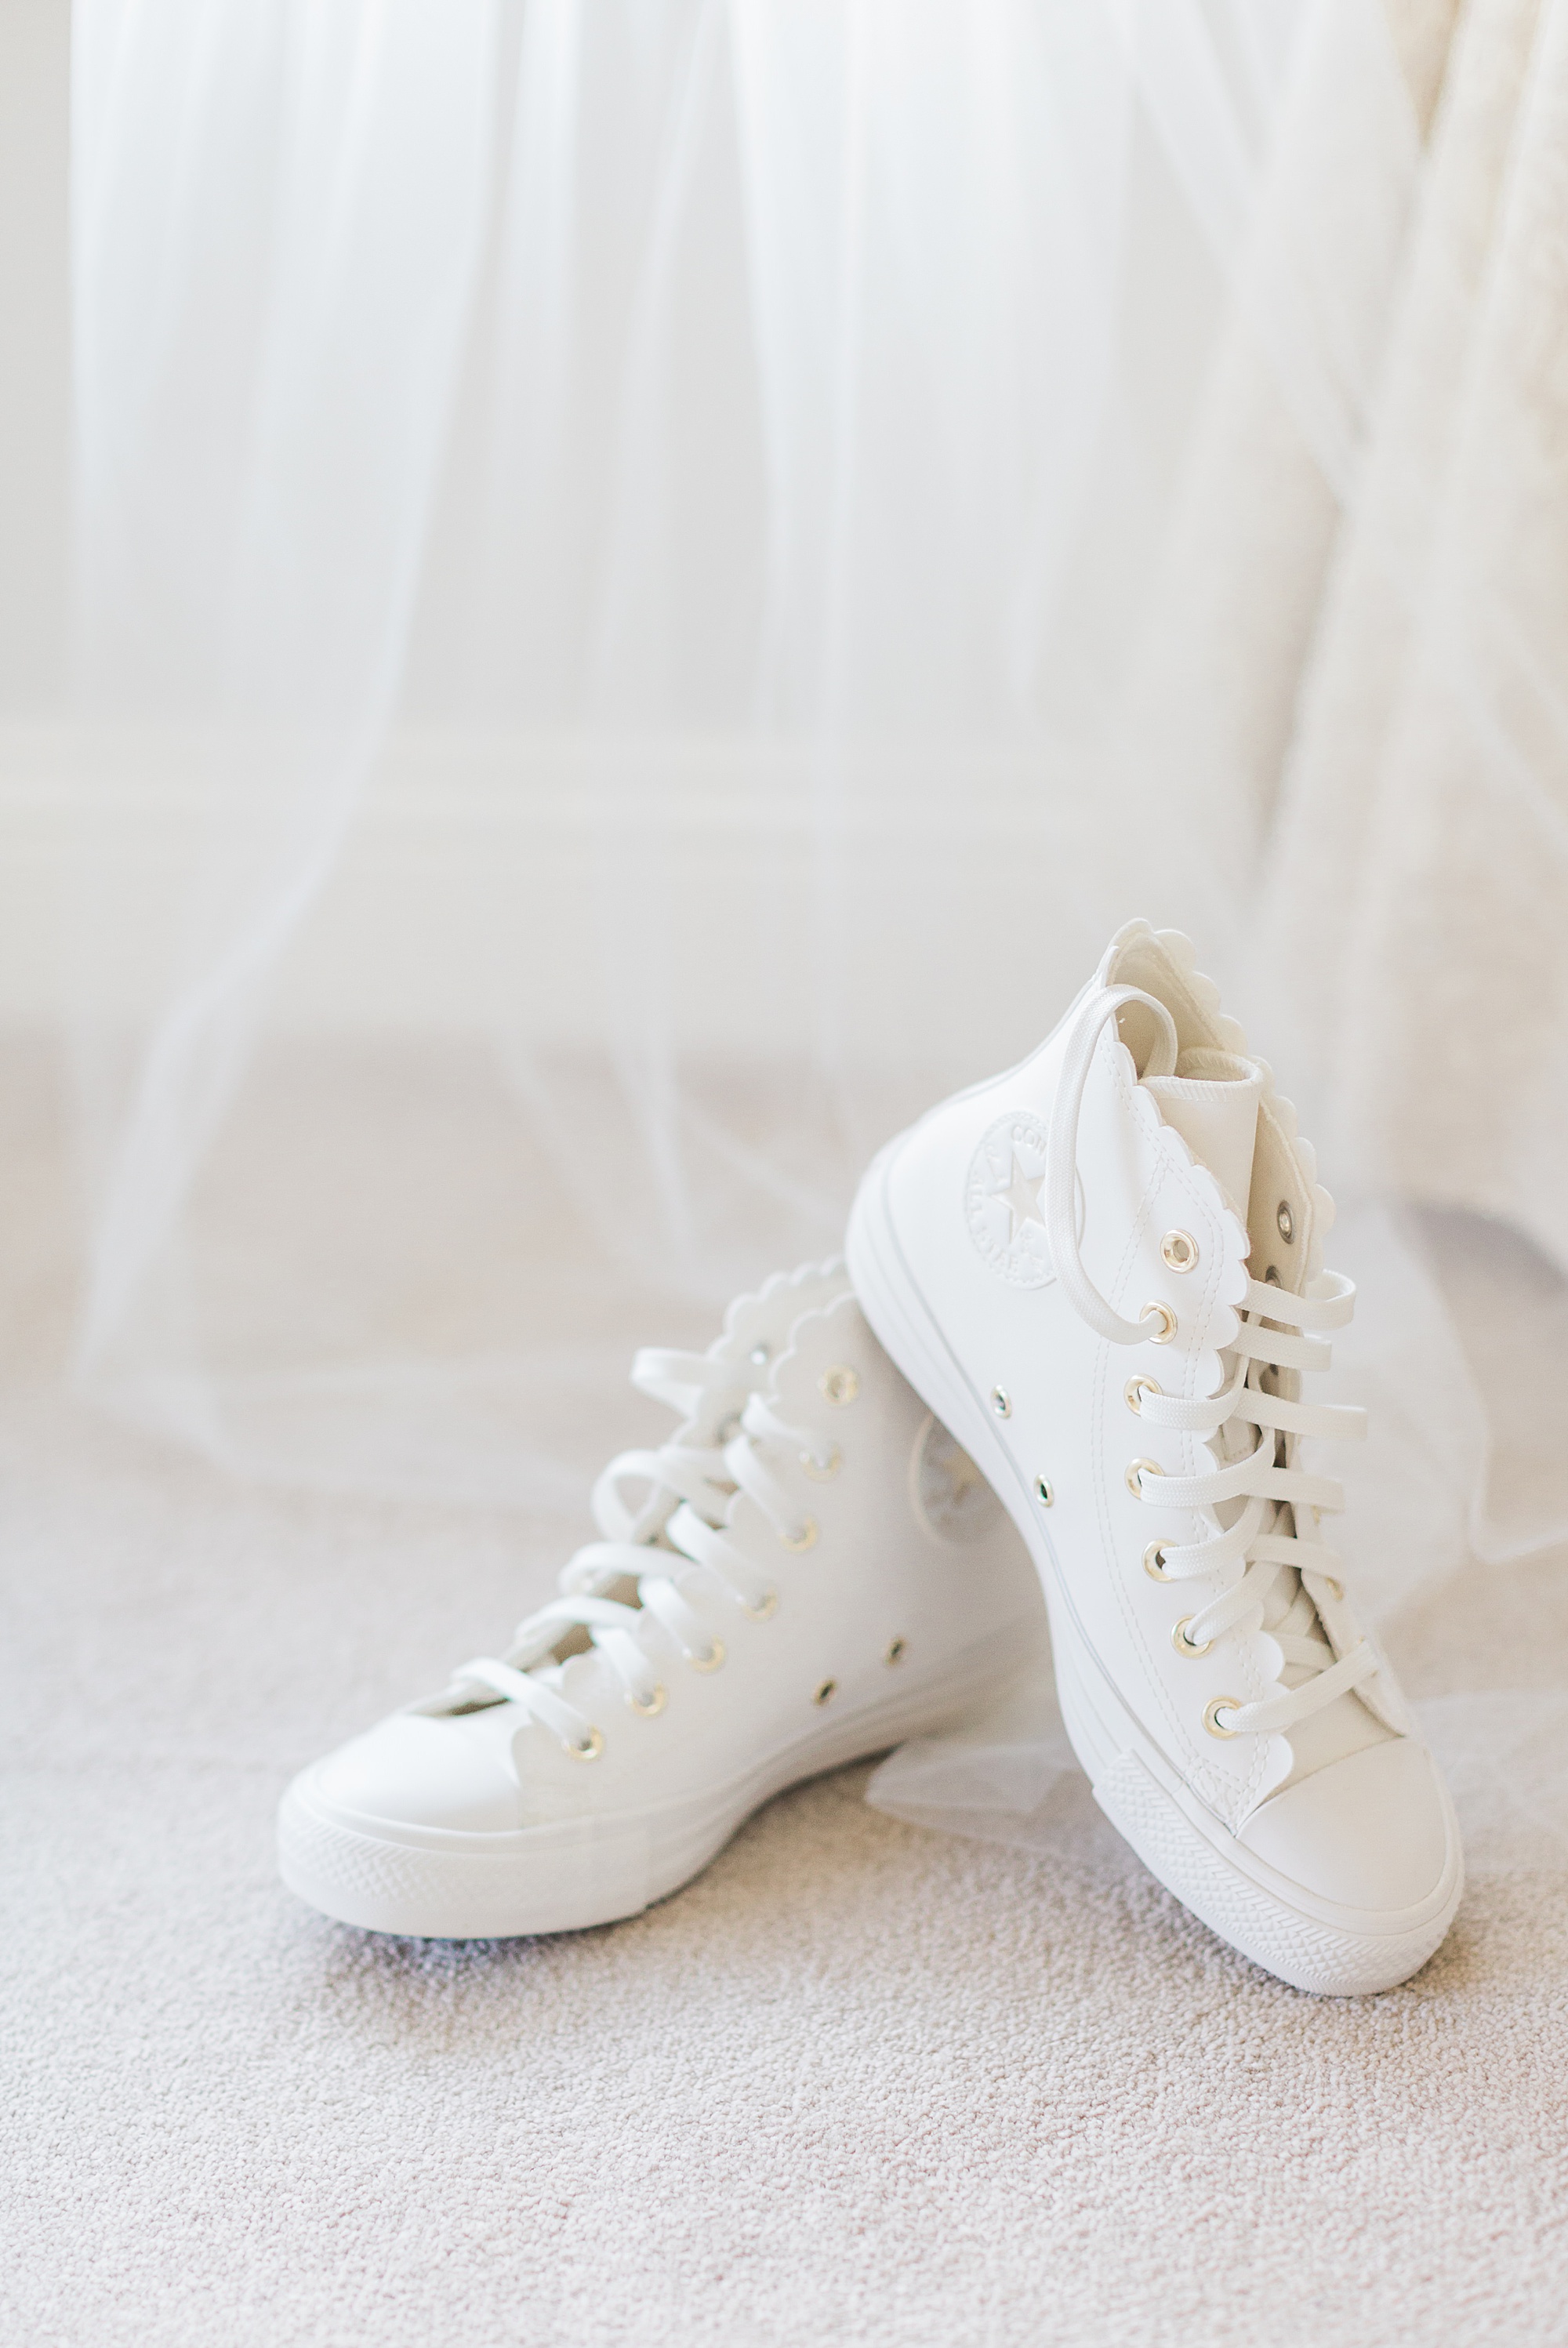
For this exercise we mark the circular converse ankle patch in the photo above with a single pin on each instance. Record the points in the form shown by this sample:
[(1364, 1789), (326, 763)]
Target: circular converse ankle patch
[(946, 1490), (1004, 1200)]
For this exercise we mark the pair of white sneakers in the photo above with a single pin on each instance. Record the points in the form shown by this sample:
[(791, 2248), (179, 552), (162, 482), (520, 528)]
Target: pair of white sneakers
[(1068, 1351)]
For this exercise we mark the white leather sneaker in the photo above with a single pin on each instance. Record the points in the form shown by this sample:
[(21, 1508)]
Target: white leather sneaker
[(808, 1570), (1061, 1263)]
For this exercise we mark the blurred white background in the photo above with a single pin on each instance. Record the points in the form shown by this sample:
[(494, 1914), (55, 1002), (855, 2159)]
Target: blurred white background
[(598, 602), (34, 479)]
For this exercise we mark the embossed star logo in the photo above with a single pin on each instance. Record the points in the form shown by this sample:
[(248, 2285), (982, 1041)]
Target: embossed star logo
[(1022, 1196)]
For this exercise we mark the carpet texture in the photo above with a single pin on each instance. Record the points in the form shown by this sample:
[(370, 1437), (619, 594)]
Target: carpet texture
[(860, 2083)]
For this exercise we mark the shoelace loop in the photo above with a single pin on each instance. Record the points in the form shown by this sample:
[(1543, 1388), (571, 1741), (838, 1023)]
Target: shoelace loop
[(672, 1544)]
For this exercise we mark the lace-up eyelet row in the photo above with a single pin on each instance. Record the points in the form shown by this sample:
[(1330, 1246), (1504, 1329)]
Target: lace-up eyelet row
[(1276, 1529), (672, 1537), (1262, 1478)]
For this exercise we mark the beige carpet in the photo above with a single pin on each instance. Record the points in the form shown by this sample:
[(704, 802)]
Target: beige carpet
[(860, 2082)]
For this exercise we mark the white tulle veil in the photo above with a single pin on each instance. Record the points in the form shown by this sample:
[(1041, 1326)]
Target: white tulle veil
[(655, 579)]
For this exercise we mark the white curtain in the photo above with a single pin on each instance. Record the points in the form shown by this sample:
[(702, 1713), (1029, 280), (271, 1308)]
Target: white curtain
[(657, 575), (1420, 866)]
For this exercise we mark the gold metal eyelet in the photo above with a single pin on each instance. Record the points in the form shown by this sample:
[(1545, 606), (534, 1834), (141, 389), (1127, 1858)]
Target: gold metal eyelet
[(646, 1708), (805, 1539), (1133, 1392), (822, 1471), (1136, 1471), (896, 1651), (1001, 1402), (1272, 1275), (764, 1608), (1183, 1644), (839, 1384), (1154, 1562), (588, 1748), (1166, 1320), (1043, 1492), (1285, 1220), (1180, 1250), (1211, 1715), (711, 1661), (1332, 1584), (825, 1694)]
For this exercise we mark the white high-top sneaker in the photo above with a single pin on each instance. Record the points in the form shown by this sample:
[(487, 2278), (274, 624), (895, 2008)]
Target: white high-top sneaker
[(1061, 1261), (808, 1570)]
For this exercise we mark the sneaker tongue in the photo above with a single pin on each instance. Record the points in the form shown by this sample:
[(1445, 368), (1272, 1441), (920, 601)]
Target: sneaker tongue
[(1212, 1102)]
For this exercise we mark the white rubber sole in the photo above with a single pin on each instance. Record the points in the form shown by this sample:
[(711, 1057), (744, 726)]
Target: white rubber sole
[(1305, 1940), (441, 1885)]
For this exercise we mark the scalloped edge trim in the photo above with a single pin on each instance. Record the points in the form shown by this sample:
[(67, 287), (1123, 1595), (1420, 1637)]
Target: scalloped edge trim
[(1276, 1759), (1238, 1239), (1230, 1035), (1203, 996), (832, 1270), (788, 1353)]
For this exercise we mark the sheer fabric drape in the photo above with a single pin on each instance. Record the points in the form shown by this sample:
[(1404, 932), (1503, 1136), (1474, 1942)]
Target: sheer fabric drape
[(793, 520)]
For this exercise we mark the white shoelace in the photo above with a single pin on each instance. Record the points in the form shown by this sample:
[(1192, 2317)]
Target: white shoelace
[(1266, 1478), (671, 1545)]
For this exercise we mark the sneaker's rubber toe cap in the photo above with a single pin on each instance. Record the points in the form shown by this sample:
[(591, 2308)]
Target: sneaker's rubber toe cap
[(1373, 1833), (414, 1770)]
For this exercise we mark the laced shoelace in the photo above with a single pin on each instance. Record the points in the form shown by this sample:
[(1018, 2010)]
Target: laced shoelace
[(672, 1545), (1265, 1480)]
